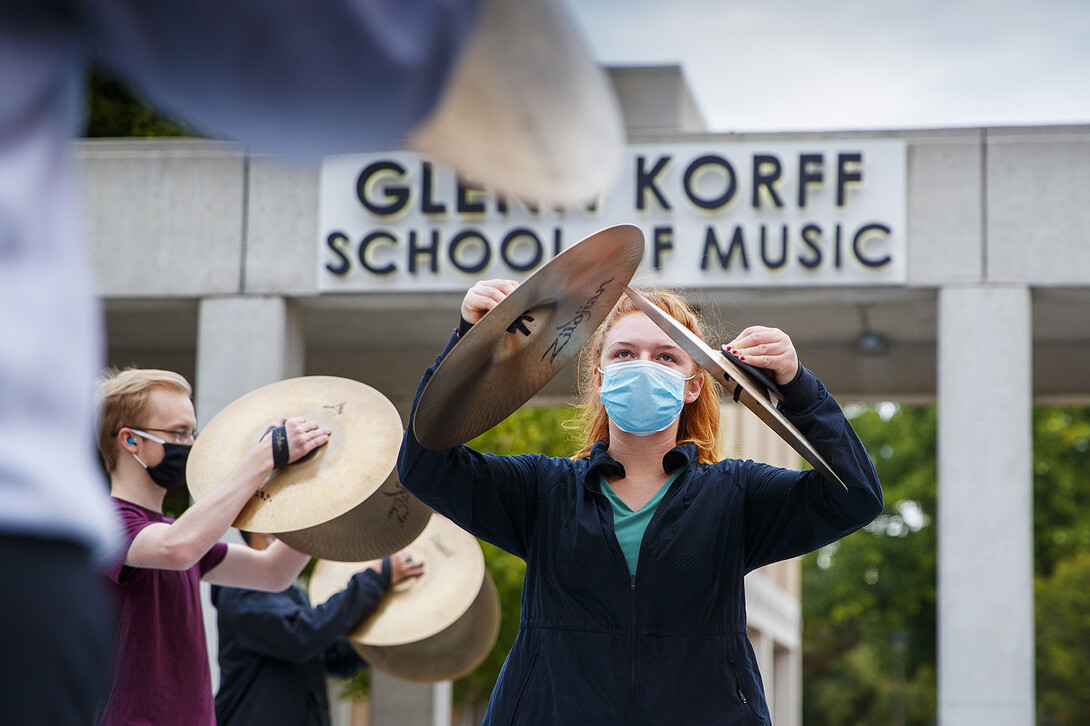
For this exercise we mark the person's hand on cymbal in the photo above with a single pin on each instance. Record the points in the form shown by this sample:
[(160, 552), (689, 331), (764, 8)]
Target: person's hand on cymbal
[(403, 566), (301, 436), (768, 348), (484, 296)]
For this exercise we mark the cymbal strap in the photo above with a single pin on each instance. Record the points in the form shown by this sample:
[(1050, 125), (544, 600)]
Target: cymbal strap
[(280, 449), (387, 570)]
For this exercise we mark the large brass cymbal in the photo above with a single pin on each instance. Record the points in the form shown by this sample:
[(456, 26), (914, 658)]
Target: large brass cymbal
[(331, 481), (449, 654), (491, 372), (420, 607), (743, 385), (434, 627), (387, 521)]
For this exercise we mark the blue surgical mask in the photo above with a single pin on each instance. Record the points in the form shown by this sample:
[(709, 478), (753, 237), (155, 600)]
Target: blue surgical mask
[(642, 397)]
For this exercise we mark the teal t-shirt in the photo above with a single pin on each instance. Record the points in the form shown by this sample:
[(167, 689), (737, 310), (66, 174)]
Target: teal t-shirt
[(630, 526)]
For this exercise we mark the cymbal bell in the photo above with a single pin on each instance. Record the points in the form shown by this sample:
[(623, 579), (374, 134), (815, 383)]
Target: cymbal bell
[(327, 483), (433, 627), (746, 387), (518, 346)]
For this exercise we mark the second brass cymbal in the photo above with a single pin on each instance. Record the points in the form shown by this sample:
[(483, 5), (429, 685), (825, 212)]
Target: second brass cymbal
[(327, 483), (746, 388), (422, 606), (434, 627), (519, 345), (449, 654)]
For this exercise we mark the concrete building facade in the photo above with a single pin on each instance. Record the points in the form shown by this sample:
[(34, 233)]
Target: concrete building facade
[(970, 294)]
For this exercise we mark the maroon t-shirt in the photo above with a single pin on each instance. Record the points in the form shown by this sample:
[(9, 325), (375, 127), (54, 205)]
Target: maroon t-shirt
[(162, 674)]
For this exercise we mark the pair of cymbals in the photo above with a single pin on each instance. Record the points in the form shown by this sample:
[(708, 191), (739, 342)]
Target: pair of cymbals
[(519, 345), (435, 627), (342, 501)]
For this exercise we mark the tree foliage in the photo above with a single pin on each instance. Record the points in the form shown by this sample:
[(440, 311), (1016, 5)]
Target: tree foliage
[(114, 109), (1061, 485), (869, 600), (1063, 643), (1061, 516)]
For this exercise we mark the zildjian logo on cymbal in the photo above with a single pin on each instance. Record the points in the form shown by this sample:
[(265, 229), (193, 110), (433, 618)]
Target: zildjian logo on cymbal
[(399, 506), (564, 332)]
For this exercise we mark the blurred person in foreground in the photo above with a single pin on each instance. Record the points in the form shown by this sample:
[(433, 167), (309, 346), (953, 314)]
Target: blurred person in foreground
[(501, 89)]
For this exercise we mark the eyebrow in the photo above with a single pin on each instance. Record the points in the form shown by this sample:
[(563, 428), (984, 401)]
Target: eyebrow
[(669, 347), (176, 426)]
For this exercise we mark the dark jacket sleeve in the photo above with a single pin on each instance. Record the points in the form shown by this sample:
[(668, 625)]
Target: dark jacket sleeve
[(276, 626), (342, 660), (789, 513), (492, 497)]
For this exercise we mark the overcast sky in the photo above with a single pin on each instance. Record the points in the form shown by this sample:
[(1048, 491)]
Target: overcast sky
[(770, 65)]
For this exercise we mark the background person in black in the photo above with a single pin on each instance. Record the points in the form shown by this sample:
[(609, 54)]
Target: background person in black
[(276, 651)]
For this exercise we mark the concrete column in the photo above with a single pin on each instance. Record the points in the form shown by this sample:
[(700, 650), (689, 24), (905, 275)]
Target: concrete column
[(765, 648), (243, 343), (985, 509), (787, 703), (399, 703)]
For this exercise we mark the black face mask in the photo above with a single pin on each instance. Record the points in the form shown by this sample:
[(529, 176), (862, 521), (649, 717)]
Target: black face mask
[(170, 472)]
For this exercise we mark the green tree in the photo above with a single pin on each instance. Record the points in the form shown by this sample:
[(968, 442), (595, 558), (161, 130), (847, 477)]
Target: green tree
[(864, 594), (1063, 643), (1061, 485), (1061, 516), (869, 600), (114, 109)]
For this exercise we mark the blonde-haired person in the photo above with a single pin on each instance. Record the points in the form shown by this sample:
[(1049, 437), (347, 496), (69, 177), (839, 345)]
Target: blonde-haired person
[(633, 608), (146, 427)]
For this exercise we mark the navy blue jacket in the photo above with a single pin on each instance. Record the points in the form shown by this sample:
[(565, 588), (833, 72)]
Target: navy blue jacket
[(669, 646), (276, 650)]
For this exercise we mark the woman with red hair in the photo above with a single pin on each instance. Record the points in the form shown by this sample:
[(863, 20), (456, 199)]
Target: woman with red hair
[(633, 608)]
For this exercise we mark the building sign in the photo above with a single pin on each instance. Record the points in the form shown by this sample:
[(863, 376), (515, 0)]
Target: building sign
[(817, 213)]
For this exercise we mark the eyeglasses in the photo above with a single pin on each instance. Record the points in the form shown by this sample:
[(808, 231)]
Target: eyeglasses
[(181, 436)]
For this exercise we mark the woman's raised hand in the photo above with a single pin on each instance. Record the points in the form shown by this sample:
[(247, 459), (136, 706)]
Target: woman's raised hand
[(768, 348), (484, 296)]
